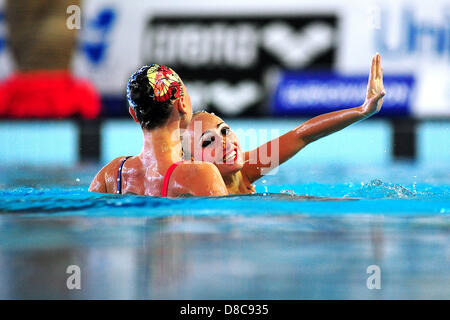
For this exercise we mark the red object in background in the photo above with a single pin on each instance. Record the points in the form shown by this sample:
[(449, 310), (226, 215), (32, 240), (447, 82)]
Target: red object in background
[(47, 94)]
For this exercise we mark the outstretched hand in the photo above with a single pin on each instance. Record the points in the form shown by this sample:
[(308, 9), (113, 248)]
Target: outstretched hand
[(375, 88)]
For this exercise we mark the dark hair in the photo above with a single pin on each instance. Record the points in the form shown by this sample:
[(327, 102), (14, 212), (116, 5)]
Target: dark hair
[(151, 92)]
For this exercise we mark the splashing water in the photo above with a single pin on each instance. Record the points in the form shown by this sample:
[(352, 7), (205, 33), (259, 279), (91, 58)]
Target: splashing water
[(377, 189), (288, 191), (266, 191)]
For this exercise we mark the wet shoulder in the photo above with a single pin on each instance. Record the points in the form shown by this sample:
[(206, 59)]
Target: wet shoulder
[(111, 172), (196, 169), (197, 178), (114, 165)]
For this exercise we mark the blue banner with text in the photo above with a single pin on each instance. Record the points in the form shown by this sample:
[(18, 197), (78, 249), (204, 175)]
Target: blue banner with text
[(316, 93)]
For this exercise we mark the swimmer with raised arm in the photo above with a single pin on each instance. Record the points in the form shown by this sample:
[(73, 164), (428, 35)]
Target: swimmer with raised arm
[(161, 105), (215, 142)]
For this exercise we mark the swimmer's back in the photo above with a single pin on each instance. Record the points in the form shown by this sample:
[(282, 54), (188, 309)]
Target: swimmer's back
[(188, 178)]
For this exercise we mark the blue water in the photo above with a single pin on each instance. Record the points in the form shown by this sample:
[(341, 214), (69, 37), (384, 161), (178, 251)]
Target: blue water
[(310, 233)]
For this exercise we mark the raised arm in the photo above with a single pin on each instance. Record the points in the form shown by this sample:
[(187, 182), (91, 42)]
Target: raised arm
[(293, 141)]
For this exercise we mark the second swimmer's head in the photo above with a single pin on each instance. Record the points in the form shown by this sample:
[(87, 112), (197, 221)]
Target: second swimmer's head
[(209, 138)]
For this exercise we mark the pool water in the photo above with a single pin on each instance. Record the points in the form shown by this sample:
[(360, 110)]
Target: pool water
[(309, 233)]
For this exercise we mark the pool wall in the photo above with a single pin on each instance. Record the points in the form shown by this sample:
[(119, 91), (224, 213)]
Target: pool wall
[(37, 143)]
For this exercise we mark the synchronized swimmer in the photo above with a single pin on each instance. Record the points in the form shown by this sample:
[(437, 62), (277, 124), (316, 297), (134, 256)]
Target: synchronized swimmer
[(179, 159)]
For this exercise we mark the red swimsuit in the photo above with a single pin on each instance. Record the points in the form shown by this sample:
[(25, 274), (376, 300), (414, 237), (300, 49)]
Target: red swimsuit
[(167, 177)]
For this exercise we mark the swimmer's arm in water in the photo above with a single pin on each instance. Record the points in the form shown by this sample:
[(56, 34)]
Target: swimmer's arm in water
[(318, 127), (197, 178)]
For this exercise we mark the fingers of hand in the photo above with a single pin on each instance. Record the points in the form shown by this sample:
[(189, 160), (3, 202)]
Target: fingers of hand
[(375, 87), (379, 72), (372, 69)]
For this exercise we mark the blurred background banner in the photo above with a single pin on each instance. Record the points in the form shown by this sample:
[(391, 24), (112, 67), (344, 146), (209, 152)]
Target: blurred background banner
[(317, 93), (229, 62), (236, 56)]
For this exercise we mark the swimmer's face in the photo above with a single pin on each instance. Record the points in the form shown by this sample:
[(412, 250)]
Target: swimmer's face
[(211, 139)]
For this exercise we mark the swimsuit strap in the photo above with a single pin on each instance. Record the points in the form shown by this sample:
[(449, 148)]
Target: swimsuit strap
[(119, 177), (167, 177)]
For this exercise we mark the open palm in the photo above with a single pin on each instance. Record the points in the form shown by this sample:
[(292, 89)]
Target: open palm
[(375, 88)]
